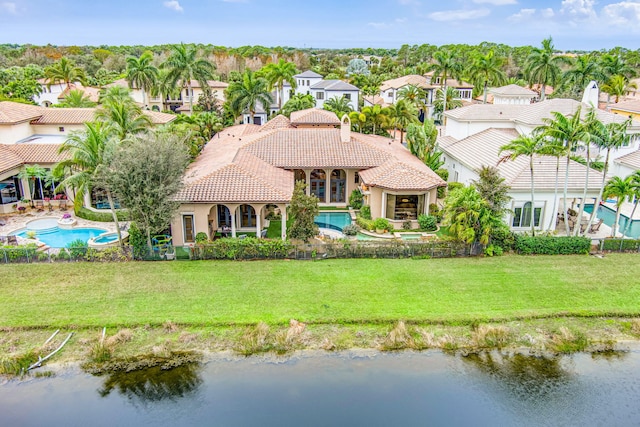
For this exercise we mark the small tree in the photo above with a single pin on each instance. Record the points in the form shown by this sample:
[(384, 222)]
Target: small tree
[(146, 173), (468, 215), (492, 188), (303, 210)]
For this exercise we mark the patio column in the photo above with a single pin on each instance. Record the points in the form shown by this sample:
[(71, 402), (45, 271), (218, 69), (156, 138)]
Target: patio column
[(327, 185), (258, 228), (307, 181), (233, 223), (283, 223)]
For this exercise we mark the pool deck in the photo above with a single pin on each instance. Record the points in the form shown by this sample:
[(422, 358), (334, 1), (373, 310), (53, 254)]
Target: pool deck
[(626, 209), (17, 221)]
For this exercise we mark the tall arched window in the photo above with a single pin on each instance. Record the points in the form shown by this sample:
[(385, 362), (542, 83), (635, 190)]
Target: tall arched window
[(247, 216), (319, 184), (224, 216), (338, 186)]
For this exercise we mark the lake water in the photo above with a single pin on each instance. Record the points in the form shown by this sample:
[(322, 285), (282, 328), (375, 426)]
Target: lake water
[(365, 389)]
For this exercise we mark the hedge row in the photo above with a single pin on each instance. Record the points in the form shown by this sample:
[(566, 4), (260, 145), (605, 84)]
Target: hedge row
[(621, 245), (249, 248), (101, 216), (552, 245)]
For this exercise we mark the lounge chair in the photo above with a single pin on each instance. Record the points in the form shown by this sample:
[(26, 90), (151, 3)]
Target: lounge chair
[(242, 236), (12, 240), (263, 234), (595, 227), (39, 205), (63, 205)]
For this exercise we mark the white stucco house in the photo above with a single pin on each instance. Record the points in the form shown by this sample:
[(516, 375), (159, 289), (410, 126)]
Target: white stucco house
[(311, 83), (55, 93)]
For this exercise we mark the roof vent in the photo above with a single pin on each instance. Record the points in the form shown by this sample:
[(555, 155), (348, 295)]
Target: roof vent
[(345, 129)]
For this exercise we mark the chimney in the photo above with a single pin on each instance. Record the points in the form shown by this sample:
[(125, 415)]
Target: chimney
[(591, 94), (345, 129)]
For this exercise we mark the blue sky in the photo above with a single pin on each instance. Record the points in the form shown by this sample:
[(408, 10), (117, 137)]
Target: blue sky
[(574, 24)]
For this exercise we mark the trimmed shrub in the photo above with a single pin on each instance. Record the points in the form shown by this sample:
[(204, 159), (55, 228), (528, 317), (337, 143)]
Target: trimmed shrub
[(427, 222), (101, 216), (364, 223), (454, 185), (355, 199), (435, 211), (621, 245), (350, 230), (138, 242), (552, 245), (365, 212), (503, 237), (249, 248), (77, 248), (382, 224), (202, 237)]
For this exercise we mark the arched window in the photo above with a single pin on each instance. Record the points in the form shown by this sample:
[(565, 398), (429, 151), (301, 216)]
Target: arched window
[(224, 216), (338, 186), (247, 216), (318, 184)]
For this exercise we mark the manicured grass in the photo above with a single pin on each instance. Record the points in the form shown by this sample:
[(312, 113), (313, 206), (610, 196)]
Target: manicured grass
[(331, 291)]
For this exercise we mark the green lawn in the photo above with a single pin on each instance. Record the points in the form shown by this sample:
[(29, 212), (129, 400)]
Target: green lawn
[(331, 291)]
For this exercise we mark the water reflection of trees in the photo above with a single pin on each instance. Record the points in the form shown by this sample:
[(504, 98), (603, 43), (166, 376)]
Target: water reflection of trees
[(154, 384), (527, 377)]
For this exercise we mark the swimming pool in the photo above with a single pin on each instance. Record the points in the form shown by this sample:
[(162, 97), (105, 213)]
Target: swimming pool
[(60, 238), (609, 217), (333, 220)]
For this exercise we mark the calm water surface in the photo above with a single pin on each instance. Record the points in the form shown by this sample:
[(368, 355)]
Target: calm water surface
[(403, 389)]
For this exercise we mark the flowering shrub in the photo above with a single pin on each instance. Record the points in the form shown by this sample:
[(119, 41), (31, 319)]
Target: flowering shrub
[(66, 216)]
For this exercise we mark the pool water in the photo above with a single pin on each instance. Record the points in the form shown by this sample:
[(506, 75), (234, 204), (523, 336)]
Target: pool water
[(609, 217), (60, 238), (333, 220), (107, 238)]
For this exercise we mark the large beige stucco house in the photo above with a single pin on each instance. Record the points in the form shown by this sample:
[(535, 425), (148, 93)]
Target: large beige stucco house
[(247, 171)]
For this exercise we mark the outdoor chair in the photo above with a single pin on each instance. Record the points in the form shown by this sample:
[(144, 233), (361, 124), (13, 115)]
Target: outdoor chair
[(595, 227), (12, 240), (263, 234), (63, 205), (242, 236), (39, 205)]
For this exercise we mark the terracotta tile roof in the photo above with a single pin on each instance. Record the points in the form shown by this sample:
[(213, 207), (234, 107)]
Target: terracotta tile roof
[(158, 118), (458, 84), (483, 149), (15, 112), (314, 116), (397, 175), (411, 79), (92, 92), (309, 148), (631, 160), (375, 100), (278, 122), (16, 155), (65, 116), (251, 180)]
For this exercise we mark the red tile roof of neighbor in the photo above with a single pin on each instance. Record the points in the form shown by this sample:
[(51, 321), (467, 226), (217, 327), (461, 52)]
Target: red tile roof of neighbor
[(249, 163), (314, 116), (15, 155)]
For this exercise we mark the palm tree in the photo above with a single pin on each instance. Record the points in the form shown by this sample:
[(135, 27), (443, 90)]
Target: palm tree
[(376, 115), (142, 73), (567, 131), (445, 66), (607, 137), (31, 173), (635, 180), (543, 67), (184, 66), (358, 120), (529, 146), (468, 215), (121, 114), (403, 113), (279, 73), (414, 95), (89, 151), (298, 102), (164, 88), (487, 70), (247, 93), (340, 106), (452, 100), (64, 71), (618, 86), (621, 189), (590, 124), (585, 69), (613, 65), (76, 98), (557, 149)]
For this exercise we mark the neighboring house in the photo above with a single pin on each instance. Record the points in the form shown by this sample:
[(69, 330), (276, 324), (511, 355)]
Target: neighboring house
[(464, 158), (311, 83), (249, 171), (178, 102), (31, 135), (626, 165), (512, 94), (628, 108), (389, 90), (55, 93)]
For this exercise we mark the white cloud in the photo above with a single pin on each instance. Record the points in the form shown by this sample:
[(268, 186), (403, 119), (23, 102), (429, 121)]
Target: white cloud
[(522, 15), (173, 5), (400, 20), (409, 2), (547, 13), (623, 13), (578, 9), (9, 7), (459, 15), (496, 2)]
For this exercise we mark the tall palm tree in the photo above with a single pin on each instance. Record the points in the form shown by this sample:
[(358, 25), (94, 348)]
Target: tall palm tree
[(529, 146), (163, 88), (614, 65), (445, 66), (570, 131), (443, 103), (340, 106), (184, 65), (376, 115), (76, 98), (607, 137), (621, 189), (414, 95), (247, 93), (618, 86), (635, 181), (277, 73), (89, 151), (33, 173), (543, 67), (403, 113), (121, 114), (591, 124), (142, 73), (487, 70), (64, 71), (557, 149), (585, 69)]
